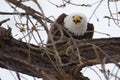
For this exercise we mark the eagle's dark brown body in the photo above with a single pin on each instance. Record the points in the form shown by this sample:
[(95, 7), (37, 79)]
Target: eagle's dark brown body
[(59, 32)]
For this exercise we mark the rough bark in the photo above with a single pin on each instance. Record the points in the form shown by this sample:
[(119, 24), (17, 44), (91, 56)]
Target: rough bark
[(40, 61)]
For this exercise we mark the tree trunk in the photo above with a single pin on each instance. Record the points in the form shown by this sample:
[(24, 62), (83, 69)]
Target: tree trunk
[(41, 61)]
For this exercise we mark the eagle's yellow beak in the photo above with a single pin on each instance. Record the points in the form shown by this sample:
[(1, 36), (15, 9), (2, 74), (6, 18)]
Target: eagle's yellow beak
[(76, 19)]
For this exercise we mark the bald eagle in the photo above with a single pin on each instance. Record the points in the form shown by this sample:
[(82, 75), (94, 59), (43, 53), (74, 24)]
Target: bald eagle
[(74, 25)]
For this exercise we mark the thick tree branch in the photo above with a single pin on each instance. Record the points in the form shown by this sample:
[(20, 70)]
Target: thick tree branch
[(34, 60), (41, 61)]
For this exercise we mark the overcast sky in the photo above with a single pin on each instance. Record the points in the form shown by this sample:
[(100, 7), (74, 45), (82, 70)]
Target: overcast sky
[(100, 23)]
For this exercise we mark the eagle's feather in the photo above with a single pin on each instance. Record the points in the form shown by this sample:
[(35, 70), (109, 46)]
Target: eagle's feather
[(65, 27)]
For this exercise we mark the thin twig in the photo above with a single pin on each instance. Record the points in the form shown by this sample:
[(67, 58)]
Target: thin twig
[(3, 21), (95, 9), (108, 4), (18, 75)]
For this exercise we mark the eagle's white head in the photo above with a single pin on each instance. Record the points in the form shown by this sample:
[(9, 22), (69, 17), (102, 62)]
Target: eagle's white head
[(76, 23)]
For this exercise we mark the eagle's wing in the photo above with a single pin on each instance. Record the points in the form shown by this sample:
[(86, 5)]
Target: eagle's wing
[(60, 19), (55, 30), (90, 31)]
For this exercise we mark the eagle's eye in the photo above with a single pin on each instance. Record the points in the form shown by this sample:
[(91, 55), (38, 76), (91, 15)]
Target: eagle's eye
[(80, 17)]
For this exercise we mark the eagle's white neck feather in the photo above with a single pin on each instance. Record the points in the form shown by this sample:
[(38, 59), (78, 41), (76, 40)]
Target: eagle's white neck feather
[(77, 29)]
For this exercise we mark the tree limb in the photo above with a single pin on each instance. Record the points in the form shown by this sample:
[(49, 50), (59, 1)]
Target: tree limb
[(14, 55), (41, 61)]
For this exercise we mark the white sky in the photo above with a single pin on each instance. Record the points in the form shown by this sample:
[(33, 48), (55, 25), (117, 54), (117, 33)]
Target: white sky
[(50, 10)]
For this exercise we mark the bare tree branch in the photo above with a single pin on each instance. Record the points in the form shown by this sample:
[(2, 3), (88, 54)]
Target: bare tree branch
[(63, 62), (1, 22), (35, 14), (14, 56)]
